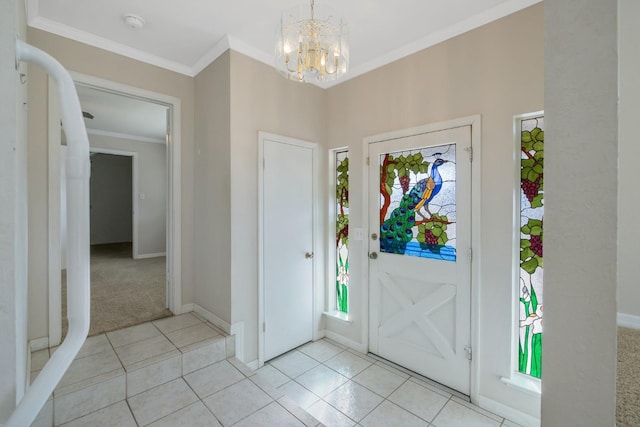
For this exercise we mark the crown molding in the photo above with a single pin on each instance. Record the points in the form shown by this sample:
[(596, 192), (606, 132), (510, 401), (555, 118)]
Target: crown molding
[(106, 44), (211, 55)]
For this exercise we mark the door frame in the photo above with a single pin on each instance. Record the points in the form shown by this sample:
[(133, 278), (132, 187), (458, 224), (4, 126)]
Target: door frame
[(174, 195), (134, 190), (316, 235), (475, 122)]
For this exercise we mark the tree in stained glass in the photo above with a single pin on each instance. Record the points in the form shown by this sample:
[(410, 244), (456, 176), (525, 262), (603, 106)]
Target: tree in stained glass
[(531, 266), (418, 202), (342, 230)]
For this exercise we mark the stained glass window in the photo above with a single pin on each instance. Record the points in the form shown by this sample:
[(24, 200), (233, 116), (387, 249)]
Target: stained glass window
[(531, 267), (342, 230), (418, 202)]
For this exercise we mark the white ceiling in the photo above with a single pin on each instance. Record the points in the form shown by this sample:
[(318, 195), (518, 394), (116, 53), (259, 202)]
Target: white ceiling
[(185, 36), (123, 116)]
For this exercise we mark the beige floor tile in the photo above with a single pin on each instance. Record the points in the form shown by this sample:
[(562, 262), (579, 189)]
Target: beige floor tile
[(114, 415), (300, 395), (271, 415), (353, 400), (320, 350), (270, 375), (146, 349), (45, 416), (192, 334), (306, 418), (321, 380), (348, 364), (213, 378), (175, 323), (237, 402), (133, 334), (388, 414), (195, 415), (79, 403), (509, 423), (197, 356), (154, 374), (455, 415), (379, 380), (294, 363), (418, 400), (90, 367), (329, 415), (161, 401), (477, 409), (94, 345)]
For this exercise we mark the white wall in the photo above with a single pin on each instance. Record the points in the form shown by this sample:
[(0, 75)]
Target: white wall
[(629, 149), (581, 160), (13, 213), (110, 194)]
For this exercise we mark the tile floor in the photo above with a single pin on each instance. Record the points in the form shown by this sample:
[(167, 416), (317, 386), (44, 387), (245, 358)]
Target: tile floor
[(180, 371)]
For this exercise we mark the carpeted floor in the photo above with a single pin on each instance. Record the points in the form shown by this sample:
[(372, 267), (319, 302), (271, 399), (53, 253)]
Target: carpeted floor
[(124, 291), (628, 384)]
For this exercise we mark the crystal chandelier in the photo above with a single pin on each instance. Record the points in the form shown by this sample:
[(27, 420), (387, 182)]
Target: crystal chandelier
[(312, 45)]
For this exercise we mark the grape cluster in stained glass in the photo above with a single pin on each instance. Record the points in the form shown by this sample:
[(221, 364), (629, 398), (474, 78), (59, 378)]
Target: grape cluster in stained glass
[(342, 230), (418, 202), (531, 238)]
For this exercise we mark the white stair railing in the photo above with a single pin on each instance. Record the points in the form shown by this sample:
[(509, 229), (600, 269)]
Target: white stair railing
[(78, 274)]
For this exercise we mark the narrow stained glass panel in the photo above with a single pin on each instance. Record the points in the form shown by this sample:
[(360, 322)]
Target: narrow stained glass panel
[(531, 266), (418, 202), (342, 230)]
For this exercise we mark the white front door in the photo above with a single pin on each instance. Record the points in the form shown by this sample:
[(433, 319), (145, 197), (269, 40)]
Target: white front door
[(419, 244), (287, 242)]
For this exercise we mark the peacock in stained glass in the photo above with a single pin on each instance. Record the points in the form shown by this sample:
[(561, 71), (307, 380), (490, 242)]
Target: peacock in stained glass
[(397, 230)]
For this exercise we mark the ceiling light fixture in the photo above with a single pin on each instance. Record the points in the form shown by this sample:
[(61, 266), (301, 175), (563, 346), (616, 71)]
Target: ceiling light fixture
[(134, 21), (312, 45)]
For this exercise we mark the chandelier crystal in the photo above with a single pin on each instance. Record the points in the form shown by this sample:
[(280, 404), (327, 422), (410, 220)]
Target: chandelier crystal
[(312, 45)]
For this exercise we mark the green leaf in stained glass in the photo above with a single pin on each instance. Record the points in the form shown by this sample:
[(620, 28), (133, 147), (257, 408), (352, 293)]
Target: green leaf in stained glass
[(530, 265)]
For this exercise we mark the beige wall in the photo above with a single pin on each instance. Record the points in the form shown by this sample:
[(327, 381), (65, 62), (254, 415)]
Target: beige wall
[(629, 153), (495, 71), (579, 355), (88, 60), (212, 219), (262, 100), (13, 226)]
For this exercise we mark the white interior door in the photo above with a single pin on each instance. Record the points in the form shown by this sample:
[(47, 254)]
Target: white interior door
[(420, 240), (287, 242)]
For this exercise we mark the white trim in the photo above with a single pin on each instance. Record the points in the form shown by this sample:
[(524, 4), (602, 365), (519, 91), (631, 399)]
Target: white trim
[(118, 135), (174, 217), (237, 329), (525, 383), (360, 348), (253, 365), (628, 321), (316, 236), (135, 238), (508, 412), (476, 186), (338, 315), (39, 344), (186, 308), (252, 52), (63, 30), (331, 303), (209, 316), (153, 255), (211, 55)]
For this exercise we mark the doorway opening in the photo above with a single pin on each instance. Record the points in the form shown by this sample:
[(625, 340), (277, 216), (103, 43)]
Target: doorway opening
[(135, 206)]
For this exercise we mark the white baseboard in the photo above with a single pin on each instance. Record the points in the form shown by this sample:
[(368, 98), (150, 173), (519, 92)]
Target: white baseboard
[(237, 329), (144, 256), (39, 344), (345, 341), (628, 321), (508, 412), (203, 312), (253, 365), (186, 308)]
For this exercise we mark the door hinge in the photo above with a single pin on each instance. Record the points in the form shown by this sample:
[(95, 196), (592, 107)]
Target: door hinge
[(367, 161), (470, 254), (469, 351), (470, 151)]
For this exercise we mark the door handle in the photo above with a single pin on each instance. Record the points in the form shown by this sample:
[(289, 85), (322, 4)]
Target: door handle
[(373, 255), (308, 255)]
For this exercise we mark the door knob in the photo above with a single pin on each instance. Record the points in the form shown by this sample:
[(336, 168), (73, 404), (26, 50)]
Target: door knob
[(373, 255), (308, 255)]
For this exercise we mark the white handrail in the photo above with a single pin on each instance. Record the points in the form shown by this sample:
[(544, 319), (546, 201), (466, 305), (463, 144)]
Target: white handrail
[(78, 275)]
